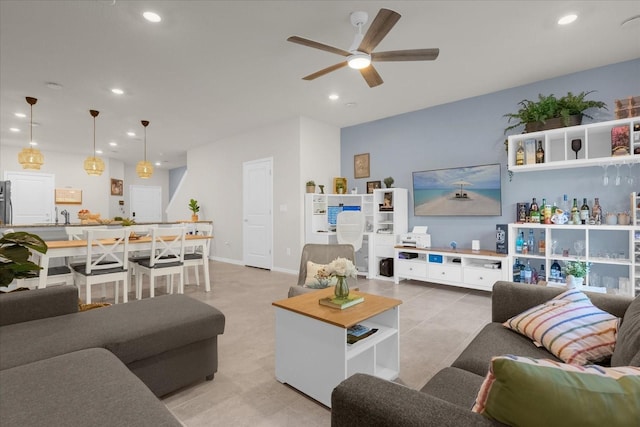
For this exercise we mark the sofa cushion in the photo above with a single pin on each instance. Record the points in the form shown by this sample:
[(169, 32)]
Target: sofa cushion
[(455, 386), (570, 327), (494, 339), (132, 331), (529, 392), (627, 350), (88, 387)]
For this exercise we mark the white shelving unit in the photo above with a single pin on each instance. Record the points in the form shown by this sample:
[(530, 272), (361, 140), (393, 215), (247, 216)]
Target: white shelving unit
[(612, 249), (388, 225), (596, 146), (463, 268)]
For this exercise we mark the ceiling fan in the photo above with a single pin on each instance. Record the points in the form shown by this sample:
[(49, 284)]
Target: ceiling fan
[(360, 55)]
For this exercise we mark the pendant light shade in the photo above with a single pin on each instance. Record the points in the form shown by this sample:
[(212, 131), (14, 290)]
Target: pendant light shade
[(92, 164), (144, 169), (31, 158)]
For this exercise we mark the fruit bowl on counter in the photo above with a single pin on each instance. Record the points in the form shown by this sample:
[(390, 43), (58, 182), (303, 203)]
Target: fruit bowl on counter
[(86, 217)]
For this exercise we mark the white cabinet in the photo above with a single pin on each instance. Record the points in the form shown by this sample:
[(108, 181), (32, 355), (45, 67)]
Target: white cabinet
[(463, 268), (612, 251), (390, 220), (595, 145)]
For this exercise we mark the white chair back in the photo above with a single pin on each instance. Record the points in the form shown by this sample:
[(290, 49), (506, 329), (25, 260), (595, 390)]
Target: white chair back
[(106, 249), (350, 228), (167, 245)]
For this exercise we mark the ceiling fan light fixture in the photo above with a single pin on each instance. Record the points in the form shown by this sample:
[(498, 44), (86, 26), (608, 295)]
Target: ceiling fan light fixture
[(359, 60)]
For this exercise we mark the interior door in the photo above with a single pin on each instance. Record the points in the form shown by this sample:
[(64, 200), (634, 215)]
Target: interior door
[(32, 197), (146, 203), (257, 230)]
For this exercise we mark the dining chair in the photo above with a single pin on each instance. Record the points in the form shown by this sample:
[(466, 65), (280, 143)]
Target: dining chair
[(56, 275), (106, 261), (165, 259), (136, 231), (200, 256)]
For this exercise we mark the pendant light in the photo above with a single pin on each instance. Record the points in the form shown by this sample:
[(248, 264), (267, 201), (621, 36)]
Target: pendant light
[(31, 158), (92, 164), (144, 169)]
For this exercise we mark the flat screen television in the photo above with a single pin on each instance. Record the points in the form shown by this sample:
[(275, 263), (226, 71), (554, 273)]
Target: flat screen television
[(464, 191)]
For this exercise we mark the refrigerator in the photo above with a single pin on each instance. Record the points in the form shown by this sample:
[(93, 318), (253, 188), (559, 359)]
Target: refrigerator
[(5, 203)]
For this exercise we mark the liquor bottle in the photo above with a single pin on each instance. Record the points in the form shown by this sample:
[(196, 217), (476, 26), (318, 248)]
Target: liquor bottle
[(516, 271), (575, 212), (520, 243), (525, 275), (566, 208), (520, 154), (584, 211), (542, 244), (534, 211), (531, 242), (556, 272), (597, 212), (541, 274), (546, 212), (540, 153), (522, 213)]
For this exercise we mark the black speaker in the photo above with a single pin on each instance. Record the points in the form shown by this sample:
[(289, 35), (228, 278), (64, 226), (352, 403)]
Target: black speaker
[(386, 267)]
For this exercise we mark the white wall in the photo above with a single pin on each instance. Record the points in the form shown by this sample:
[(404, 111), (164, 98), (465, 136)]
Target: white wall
[(214, 178), (96, 190)]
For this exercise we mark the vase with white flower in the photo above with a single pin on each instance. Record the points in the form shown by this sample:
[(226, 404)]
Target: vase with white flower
[(576, 272), (341, 269)]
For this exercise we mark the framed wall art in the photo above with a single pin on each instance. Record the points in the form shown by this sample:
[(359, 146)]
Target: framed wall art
[(116, 187), (339, 185), (372, 185), (361, 165)]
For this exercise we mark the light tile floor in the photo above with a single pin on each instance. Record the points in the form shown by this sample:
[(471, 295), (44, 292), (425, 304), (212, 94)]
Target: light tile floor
[(436, 323)]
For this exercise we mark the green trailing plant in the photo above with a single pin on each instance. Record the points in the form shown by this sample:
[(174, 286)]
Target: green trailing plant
[(193, 206), (549, 107), (15, 250), (576, 268)]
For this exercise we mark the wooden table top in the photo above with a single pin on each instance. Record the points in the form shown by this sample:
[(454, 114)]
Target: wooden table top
[(62, 244), (308, 305), (461, 251)]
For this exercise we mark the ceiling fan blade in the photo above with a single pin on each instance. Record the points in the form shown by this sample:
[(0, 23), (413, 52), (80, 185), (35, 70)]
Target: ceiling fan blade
[(381, 25), (406, 55), (316, 45), (371, 76), (325, 71)]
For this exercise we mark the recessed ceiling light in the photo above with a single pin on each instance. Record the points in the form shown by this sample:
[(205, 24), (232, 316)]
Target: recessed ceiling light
[(567, 19), (98, 151), (113, 144), (158, 164), (117, 91), (14, 129), (21, 115), (33, 143), (54, 85), (152, 16), (131, 133), (334, 97)]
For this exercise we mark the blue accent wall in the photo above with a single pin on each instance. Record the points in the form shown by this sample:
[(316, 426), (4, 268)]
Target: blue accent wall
[(471, 132)]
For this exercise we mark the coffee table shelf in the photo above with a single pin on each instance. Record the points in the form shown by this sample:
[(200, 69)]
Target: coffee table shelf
[(312, 354)]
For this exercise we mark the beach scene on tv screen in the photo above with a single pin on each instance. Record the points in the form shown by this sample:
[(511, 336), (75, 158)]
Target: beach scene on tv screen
[(471, 190)]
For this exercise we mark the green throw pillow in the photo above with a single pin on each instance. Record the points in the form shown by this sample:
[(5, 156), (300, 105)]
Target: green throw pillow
[(539, 392)]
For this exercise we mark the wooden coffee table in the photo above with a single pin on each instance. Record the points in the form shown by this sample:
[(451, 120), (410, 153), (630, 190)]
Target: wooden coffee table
[(312, 354)]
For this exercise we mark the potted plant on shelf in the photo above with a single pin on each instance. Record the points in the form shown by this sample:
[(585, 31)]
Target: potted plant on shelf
[(15, 253), (550, 112), (388, 181), (194, 208), (575, 272), (311, 187)]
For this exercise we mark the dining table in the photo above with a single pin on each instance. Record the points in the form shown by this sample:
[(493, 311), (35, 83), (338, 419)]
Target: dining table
[(74, 248)]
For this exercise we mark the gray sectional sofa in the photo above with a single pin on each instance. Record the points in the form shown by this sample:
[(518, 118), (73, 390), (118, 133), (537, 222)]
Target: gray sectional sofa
[(447, 399), (103, 366)]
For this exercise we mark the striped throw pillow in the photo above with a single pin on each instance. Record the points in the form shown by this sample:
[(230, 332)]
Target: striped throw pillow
[(570, 327), (539, 392)]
